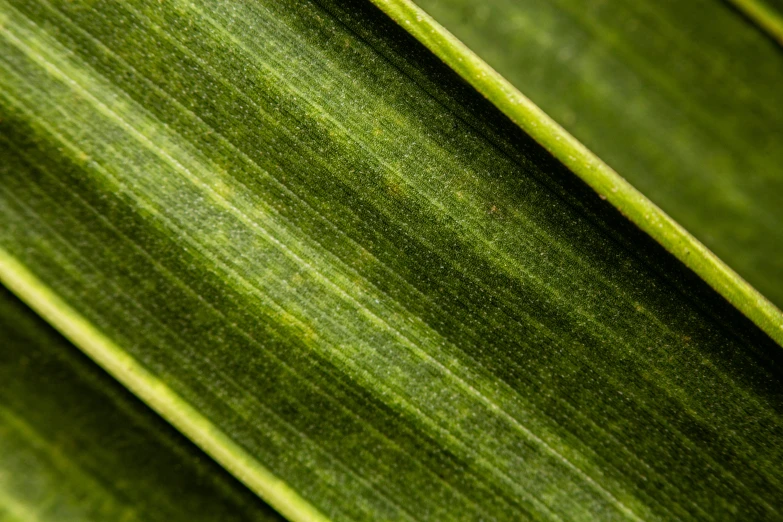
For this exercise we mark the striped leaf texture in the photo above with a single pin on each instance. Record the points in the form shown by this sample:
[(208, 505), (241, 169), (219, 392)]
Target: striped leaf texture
[(681, 98), (352, 280), (76, 445)]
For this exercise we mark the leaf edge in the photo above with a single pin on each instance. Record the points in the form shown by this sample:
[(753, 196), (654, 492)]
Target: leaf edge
[(586, 165)]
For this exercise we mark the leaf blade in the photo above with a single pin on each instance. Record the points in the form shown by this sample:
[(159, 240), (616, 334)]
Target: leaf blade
[(423, 325), (600, 176), (678, 108), (152, 391), (76, 446)]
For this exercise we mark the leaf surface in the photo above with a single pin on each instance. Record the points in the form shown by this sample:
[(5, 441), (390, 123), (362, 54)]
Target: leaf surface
[(75, 445), (686, 110), (347, 276)]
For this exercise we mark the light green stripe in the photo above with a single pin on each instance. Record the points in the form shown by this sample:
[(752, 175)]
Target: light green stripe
[(154, 392), (767, 18)]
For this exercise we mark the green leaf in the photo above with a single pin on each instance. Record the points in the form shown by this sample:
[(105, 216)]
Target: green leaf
[(348, 277), (766, 14), (681, 98), (75, 445)]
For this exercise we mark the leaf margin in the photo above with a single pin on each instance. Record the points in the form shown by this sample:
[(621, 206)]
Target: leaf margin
[(154, 392), (608, 184)]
